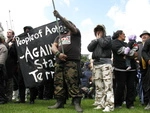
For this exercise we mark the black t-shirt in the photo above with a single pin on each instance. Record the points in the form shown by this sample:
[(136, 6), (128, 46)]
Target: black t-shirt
[(71, 44)]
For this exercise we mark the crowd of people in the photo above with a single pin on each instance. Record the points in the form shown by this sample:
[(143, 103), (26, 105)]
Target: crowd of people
[(110, 78), (12, 82)]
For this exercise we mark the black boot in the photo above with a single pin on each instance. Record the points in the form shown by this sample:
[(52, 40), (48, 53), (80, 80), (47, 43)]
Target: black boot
[(59, 104), (77, 102)]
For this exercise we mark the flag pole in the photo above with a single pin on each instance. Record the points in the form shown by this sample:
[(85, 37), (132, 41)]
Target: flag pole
[(7, 24), (13, 26), (58, 28), (10, 20)]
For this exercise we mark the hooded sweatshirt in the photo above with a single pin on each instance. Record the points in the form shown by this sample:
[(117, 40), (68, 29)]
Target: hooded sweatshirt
[(101, 49)]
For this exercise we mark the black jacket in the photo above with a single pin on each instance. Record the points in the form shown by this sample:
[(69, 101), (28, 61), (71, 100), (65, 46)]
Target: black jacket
[(146, 56), (11, 61), (146, 50), (119, 59), (100, 48)]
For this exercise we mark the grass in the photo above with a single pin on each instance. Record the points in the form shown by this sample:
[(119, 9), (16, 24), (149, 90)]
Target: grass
[(40, 106)]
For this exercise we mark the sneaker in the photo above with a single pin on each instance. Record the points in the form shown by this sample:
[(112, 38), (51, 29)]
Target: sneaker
[(98, 107), (106, 109), (128, 68), (147, 107), (95, 104)]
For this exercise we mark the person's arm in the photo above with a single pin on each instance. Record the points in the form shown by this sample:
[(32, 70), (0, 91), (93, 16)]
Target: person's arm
[(54, 47), (117, 47), (3, 55), (92, 45), (133, 50), (145, 51), (69, 25), (104, 42), (57, 53)]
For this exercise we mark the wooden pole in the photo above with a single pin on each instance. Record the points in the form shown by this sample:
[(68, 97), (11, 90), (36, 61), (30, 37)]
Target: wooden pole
[(58, 28)]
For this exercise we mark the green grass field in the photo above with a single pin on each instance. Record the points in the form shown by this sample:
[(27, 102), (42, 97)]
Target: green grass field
[(40, 106)]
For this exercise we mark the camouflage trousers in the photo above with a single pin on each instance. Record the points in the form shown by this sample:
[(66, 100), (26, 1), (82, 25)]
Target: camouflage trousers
[(103, 79), (66, 80)]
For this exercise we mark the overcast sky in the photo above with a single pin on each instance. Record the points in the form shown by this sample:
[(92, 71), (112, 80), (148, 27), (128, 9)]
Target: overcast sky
[(131, 16)]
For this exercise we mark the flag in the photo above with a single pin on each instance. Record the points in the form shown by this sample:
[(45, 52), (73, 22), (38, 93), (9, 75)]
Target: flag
[(35, 57)]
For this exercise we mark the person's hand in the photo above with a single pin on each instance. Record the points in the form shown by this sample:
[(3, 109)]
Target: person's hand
[(138, 62), (148, 62), (98, 34), (56, 14), (14, 39), (135, 54), (62, 56)]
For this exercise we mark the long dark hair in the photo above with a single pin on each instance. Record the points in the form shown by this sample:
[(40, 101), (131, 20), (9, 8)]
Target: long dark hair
[(1, 41), (116, 34), (1, 38)]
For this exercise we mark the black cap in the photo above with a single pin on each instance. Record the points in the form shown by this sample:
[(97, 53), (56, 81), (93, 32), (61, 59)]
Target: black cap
[(27, 27)]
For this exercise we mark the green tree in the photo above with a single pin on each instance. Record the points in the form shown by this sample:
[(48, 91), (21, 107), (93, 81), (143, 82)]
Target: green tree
[(85, 58)]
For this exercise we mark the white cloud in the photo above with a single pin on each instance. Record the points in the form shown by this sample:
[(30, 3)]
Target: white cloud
[(86, 22), (87, 34), (134, 18), (25, 12), (67, 2), (76, 9)]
